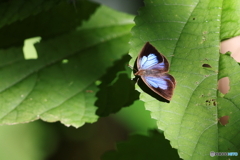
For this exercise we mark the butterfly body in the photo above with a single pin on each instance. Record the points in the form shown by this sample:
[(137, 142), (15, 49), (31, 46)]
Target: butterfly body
[(149, 73), (152, 68)]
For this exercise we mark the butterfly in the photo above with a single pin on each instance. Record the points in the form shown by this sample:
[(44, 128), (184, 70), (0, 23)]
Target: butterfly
[(152, 67)]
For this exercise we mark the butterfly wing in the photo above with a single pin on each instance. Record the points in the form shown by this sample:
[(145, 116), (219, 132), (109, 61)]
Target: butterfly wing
[(152, 67), (150, 58), (162, 84)]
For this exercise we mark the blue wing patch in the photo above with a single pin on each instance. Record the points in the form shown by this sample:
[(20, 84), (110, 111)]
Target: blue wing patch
[(148, 61), (151, 62), (159, 66), (157, 82)]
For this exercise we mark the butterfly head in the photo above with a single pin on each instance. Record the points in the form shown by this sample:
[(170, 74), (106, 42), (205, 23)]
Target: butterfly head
[(140, 73)]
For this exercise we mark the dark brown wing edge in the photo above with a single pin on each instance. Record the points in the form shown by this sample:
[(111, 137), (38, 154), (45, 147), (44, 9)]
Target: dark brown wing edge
[(146, 50)]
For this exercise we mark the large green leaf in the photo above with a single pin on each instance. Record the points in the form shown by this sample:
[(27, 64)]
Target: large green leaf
[(14, 10), (229, 105), (47, 20), (60, 84), (188, 34)]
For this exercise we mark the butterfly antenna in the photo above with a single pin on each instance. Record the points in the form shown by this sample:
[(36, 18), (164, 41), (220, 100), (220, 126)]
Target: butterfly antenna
[(131, 67)]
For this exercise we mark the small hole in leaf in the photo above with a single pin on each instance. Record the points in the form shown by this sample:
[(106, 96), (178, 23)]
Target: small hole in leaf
[(224, 120), (207, 102), (64, 61), (194, 18), (29, 50), (232, 45), (211, 102), (223, 85), (206, 65), (214, 102), (98, 82)]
